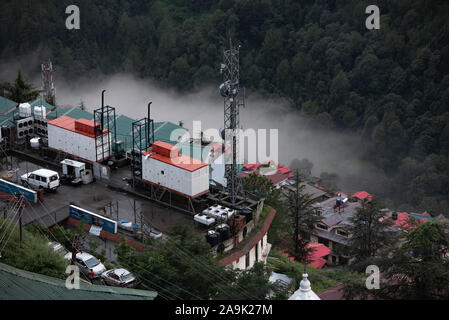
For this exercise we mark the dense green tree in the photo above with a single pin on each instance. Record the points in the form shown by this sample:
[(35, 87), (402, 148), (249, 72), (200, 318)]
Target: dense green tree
[(303, 217), (416, 270), (20, 91), (369, 233), (183, 267), (34, 256), (262, 187)]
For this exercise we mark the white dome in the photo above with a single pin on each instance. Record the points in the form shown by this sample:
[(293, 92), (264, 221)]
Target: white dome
[(305, 291)]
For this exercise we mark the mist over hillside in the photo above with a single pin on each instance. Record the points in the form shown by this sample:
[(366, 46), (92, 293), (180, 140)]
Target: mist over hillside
[(299, 137)]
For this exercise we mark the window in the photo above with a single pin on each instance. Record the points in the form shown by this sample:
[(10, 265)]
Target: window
[(32, 176), (114, 276), (342, 233), (43, 179), (54, 178), (162, 171), (321, 226), (247, 261)]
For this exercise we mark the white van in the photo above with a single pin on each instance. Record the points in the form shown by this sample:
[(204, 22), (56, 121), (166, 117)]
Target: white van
[(41, 179)]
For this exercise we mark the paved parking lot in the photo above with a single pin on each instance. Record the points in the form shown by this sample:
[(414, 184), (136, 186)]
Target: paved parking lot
[(98, 198)]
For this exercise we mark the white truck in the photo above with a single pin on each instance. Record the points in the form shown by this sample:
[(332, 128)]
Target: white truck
[(76, 171)]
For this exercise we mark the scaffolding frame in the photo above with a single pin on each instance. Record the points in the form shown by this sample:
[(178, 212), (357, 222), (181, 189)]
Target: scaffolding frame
[(143, 139), (105, 117)]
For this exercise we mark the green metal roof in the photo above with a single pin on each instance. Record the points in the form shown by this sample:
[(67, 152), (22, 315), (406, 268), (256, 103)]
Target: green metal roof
[(17, 284), (195, 151), (39, 103), (74, 112), (6, 104), (163, 131)]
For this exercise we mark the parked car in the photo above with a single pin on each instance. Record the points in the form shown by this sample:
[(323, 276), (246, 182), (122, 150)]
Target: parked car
[(119, 278), (41, 179), (89, 265), (58, 248)]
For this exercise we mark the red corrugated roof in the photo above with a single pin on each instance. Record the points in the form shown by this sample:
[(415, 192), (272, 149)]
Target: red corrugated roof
[(285, 170), (319, 250), (163, 153), (316, 256), (319, 263), (403, 221), (74, 125), (363, 195)]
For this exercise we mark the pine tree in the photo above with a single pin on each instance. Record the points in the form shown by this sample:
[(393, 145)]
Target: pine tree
[(21, 91), (370, 232), (303, 217)]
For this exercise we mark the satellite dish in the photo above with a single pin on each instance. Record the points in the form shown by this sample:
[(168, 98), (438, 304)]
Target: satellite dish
[(222, 133), (225, 89)]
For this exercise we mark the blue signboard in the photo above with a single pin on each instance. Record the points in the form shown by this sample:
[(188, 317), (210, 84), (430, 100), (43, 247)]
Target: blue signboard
[(93, 218), (16, 190)]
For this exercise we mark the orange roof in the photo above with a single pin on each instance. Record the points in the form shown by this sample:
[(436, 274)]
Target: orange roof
[(69, 124), (403, 221), (363, 195), (159, 152)]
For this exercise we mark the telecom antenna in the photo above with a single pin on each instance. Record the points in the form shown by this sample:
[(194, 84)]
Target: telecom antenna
[(229, 90), (48, 88)]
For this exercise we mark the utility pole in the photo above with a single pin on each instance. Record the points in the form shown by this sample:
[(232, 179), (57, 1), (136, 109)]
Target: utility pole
[(134, 209), (74, 249), (296, 214), (141, 225), (20, 217), (117, 210)]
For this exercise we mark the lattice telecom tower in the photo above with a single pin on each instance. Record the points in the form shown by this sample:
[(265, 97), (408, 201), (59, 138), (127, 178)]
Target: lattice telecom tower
[(230, 89), (48, 88)]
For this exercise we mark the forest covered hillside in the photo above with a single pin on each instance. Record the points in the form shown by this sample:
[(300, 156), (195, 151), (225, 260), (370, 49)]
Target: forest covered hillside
[(391, 86)]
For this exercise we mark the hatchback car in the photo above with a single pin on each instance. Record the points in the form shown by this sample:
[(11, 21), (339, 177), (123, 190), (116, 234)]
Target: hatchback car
[(119, 278), (89, 265), (58, 248)]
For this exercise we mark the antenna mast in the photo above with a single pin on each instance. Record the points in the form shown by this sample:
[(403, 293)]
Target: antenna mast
[(230, 89), (48, 88)]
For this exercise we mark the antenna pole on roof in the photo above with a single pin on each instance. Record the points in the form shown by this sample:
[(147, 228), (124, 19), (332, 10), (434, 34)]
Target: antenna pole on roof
[(102, 108), (149, 121)]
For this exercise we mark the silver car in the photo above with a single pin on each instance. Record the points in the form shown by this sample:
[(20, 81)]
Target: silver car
[(58, 248), (119, 278), (89, 265)]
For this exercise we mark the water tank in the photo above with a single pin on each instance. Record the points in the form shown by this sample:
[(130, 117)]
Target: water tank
[(224, 231), (24, 110), (248, 213), (40, 112), (213, 238), (34, 142)]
